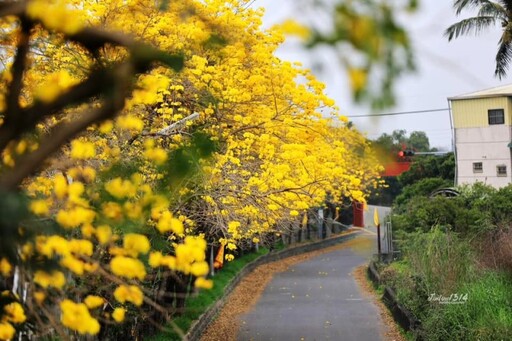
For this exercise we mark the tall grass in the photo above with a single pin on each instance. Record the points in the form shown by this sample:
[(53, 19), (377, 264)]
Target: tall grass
[(442, 260), (441, 263), (486, 315)]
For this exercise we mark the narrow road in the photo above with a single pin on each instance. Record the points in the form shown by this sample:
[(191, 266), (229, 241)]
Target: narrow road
[(317, 300)]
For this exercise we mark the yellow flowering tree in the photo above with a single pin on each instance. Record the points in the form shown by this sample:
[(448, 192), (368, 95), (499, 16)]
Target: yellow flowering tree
[(130, 169)]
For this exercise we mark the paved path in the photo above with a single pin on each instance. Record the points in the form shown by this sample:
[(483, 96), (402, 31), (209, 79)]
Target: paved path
[(317, 300)]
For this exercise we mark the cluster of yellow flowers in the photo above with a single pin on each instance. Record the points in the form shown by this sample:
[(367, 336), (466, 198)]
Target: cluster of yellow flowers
[(76, 316), (11, 315)]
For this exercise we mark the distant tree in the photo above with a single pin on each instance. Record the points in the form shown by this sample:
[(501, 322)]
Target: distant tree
[(489, 14), (400, 136), (430, 166), (398, 140), (418, 140)]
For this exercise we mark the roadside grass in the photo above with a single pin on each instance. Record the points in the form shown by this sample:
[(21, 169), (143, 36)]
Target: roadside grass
[(198, 303), (440, 263), (486, 315)]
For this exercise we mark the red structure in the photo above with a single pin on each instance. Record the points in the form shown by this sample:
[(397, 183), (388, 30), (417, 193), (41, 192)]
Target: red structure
[(396, 168), (358, 209)]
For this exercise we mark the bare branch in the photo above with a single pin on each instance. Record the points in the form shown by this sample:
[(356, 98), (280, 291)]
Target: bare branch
[(171, 129)]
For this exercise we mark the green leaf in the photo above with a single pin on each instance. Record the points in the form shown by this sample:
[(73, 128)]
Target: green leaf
[(164, 5), (143, 55)]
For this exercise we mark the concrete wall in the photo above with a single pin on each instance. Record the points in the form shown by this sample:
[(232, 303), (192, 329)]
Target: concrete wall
[(488, 145)]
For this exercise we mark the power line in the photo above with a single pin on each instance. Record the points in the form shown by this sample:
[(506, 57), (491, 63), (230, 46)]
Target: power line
[(397, 113)]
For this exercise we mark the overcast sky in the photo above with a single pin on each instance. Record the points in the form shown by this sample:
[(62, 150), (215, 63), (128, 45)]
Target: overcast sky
[(444, 69)]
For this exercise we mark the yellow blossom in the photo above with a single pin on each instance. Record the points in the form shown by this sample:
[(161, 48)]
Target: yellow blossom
[(55, 279), (120, 188), (74, 264), (88, 230), (203, 283), (128, 267), (7, 331), (129, 293), (62, 18), (86, 174), (14, 313), (54, 85), (76, 316), (60, 186), (75, 217), (81, 247), (134, 244), (155, 259), (5, 267), (358, 78), (106, 127), (93, 301), (292, 27), (168, 223), (130, 122), (118, 314), (75, 190), (157, 155), (104, 234), (133, 210), (82, 150), (199, 269), (112, 210), (39, 296), (49, 246)]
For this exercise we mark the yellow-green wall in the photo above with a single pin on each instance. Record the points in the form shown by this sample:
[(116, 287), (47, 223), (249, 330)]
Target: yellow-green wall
[(468, 113)]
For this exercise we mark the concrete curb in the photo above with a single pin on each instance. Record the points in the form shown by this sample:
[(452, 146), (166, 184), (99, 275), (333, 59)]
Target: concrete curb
[(197, 328), (401, 315)]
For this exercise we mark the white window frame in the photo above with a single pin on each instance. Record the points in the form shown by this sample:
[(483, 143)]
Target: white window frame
[(501, 167)]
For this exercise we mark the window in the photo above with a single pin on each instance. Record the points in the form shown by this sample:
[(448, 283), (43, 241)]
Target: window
[(478, 167), (501, 170), (496, 116)]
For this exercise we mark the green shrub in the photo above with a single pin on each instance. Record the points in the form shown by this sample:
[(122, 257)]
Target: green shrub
[(423, 188), (501, 207), (422, 214)]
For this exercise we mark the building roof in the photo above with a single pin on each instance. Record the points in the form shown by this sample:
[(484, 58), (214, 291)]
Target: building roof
[(499, 91)]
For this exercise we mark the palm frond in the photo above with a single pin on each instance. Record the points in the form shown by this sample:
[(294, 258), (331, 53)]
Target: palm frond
[(471, 25), (460, 5), (493, 9), (504, 55), (507, 4)]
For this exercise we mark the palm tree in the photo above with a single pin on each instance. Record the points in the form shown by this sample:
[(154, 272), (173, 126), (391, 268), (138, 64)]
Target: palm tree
[(489, 13)]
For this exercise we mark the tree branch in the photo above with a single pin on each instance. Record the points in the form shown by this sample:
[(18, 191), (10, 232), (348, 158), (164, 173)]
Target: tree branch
[(63, 132)]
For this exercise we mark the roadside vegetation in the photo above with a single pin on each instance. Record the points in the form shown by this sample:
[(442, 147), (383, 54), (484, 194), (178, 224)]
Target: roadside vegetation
[(199, 302), (454, 272)]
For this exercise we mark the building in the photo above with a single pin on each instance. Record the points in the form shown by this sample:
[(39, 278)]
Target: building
[(482, 123)]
